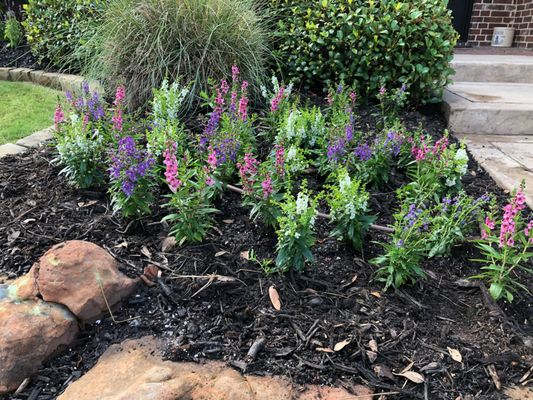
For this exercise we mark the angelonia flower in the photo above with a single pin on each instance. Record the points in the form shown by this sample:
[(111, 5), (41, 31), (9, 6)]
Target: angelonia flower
[(235, 73), (243, 103), (353, 97), (120, 95), (129, 164), (440, 146), (337, 149), (302, 203), (382, 91), (339, 89), (212, 159), (363, 152), (393, 142), (420, 153), (279, 163), (508, 226), (349, 131), (214, 119), (85, 121), (226, 148), (85, 87), (412, 215), (209, 181), (248, 171), (275, 102), (171, 171), (59, 116), (224, 87), (117, 119), (267, 187)]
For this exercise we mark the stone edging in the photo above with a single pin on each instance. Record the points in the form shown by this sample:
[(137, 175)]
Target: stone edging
[(26, 143), (53, 80)]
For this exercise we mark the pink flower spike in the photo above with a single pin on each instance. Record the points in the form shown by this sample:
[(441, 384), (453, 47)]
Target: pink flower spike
[(212, 159), (267, 187), (59, 116), (235, 73), (120, 95)]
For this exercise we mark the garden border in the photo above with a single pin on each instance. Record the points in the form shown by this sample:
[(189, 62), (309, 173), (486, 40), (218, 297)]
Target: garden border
[(53, 80)]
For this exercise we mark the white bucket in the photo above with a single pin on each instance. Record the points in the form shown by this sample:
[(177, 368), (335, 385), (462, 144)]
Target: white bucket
[(502, 37)]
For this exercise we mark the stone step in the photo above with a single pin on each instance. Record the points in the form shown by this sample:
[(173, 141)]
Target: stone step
[(492, 68), (507, 159), (493, 108)]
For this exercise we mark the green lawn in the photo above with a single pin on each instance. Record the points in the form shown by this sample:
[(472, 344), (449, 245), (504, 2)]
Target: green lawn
[(24, 109)]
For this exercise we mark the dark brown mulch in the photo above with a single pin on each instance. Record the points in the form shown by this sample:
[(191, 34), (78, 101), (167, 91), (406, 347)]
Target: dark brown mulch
[(334, 300), (18, 57)]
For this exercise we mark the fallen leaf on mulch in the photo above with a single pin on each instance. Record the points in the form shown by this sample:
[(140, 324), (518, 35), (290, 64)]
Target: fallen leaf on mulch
[(245, 255), (12, 237), (376, 294), (373, 345), (383, 371), (324, 350), (145, 252), (274, 298), (168, 244), (341, 345), (412, 376), (455, 355), (124, 245), (228, 221)]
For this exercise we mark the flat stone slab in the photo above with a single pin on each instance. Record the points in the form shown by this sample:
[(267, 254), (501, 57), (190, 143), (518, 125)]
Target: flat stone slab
[(494, 92), (135, 370), (489, 109), (37, 138), (507, 159), (9, 149), (492, 68)]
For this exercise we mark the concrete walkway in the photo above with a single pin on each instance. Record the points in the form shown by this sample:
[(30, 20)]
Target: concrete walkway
[(490, 107)]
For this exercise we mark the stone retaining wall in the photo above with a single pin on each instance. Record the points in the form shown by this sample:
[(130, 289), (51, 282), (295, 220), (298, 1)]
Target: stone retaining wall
[(52, 80)]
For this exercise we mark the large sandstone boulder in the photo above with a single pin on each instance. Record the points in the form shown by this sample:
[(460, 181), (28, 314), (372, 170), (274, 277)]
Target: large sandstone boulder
[(135, 370), (79, 274), (30, 332), (72, 278)]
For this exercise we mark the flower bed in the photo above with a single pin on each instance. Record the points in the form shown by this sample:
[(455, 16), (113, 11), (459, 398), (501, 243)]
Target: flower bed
[(336, 322)]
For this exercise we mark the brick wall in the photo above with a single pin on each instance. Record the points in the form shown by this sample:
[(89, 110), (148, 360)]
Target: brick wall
[(524, 24), (490, 14)]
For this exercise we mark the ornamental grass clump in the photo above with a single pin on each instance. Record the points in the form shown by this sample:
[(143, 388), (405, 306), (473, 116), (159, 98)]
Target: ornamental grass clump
[(141, 42), (505, 248)]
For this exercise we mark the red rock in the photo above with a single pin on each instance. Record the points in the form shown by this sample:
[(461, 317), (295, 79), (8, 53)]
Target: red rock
[(76, 273), (134, 370), (30, 332)]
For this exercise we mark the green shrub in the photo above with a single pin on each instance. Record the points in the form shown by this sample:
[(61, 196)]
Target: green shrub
[(13, 31), (55, 29), (374, 43), (141, 42)]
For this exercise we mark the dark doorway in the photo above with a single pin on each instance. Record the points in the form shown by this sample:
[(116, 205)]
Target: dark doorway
[(461, 15)]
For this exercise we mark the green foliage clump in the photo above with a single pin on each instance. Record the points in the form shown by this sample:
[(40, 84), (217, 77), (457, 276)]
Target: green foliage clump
[(141, 42), (55, 29), (13, 33), (374, 43)]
